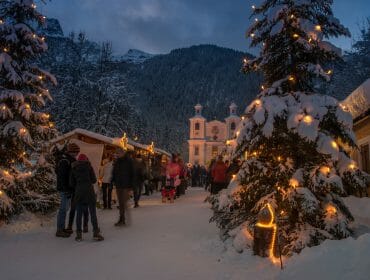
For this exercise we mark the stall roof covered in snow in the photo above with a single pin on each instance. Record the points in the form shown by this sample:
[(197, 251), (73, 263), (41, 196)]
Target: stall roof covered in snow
[(358, 102), (107, 140), (97, 136)]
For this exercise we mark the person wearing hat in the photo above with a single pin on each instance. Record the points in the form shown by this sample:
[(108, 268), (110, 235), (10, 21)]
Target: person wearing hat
[(82, 179), (62, 170)]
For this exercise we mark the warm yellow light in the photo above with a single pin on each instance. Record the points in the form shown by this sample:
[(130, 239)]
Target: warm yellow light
[(227, 142), (295, 35), (254, 154), (318, 28), (51, 125), (5, 50), (34, 35), (331, 209), (243, 118), (6, 172), (257, 101), (329, 72), (28, 106), (307, 119), (3, 107), (47, 116), (272, 225), (291, 78), (293, 183), (245, 61), (279, 158), (1, 22), (43, 38), (282, 212), (40, 77), (344, 108), (325, 170), (334, 145), (1, 192), (234, 176), (352, 166), (237, 133), (291, 16), (310, 40), (262, 87), (252, 35), (22, 130)]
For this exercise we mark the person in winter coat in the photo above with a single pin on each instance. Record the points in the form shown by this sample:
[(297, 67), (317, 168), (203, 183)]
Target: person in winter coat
[(140, 176), (219, 178), (82, 179), (62, 170), (122, 179), (173, 171), (106, 178), (196, 175)]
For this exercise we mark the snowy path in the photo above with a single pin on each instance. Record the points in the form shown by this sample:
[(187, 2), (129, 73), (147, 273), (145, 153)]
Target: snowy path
[(166, 241)]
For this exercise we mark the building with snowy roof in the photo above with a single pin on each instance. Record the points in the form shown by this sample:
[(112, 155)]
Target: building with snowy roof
[(358, 104), (207, 139)]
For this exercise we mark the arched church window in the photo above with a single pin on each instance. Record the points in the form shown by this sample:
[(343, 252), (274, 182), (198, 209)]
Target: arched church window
[(232, 126), (196, 150), (197, 126)]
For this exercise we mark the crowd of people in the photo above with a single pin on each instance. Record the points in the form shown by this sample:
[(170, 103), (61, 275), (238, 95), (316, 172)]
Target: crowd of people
[(125, 172), (216, 176)]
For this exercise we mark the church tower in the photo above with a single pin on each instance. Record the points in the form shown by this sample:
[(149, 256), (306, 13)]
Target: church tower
[(197, 137), (232, 121)]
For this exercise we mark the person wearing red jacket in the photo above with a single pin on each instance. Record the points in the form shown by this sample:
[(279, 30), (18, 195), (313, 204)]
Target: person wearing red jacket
[(219, 178), (173, 171)]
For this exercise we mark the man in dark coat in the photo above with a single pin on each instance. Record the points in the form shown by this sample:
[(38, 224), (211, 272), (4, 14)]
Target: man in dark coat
[(82, 179), (140, 175), (62, 170), (122, 179)]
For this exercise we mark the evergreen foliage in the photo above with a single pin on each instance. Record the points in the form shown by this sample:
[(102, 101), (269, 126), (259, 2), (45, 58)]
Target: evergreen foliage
[(25, 179), (295, 144)]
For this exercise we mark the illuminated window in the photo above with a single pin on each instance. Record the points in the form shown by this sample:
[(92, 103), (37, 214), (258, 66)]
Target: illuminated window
[(197, 126)]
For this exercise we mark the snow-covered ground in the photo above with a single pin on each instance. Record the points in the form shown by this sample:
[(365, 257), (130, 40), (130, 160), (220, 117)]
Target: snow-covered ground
[(170, 241)]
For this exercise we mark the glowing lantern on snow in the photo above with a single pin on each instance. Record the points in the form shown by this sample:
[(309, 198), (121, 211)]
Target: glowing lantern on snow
[(265, 232)]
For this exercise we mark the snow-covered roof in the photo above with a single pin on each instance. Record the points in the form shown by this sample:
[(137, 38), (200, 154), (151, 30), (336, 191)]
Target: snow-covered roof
[(107, 140), (97, 136), (358, 102)]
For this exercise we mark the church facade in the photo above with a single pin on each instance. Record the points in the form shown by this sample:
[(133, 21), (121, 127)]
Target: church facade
[(207, 139)]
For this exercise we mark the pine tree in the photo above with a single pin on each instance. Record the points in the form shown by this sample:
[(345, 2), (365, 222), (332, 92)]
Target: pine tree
[(24, 178), (295, 144)]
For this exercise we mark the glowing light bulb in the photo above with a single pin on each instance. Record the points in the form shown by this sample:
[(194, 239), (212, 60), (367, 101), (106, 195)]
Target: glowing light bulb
[(227, 142), (234, 176), (262, 87), (6, 172), (245, 61), (33, 6), (291, 78), (3, 107), (295, 36), (310, 40), (279, 158), (253, 7), (237, 133), (1, 21), (334, 145), (40, 77), (318, 28), (42, 38), (257, 102), (51, 125), (307, 119), (329, 72), (33, 35), (252, 35), (243, 118), (256, 19), (293, 183), (352, 166), (282, 212), (5, 49), (291, 16), (325, 170), (47, 116), (27, 106), (254, 154), (331, 209), (344, 108), (22, 130), (1, 192)]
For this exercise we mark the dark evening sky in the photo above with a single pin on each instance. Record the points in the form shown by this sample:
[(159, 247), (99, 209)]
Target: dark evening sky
[(157, 26)]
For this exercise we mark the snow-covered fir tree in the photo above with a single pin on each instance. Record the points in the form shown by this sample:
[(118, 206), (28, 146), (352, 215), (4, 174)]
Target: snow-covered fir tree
[(25, 176), (295, 144)]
